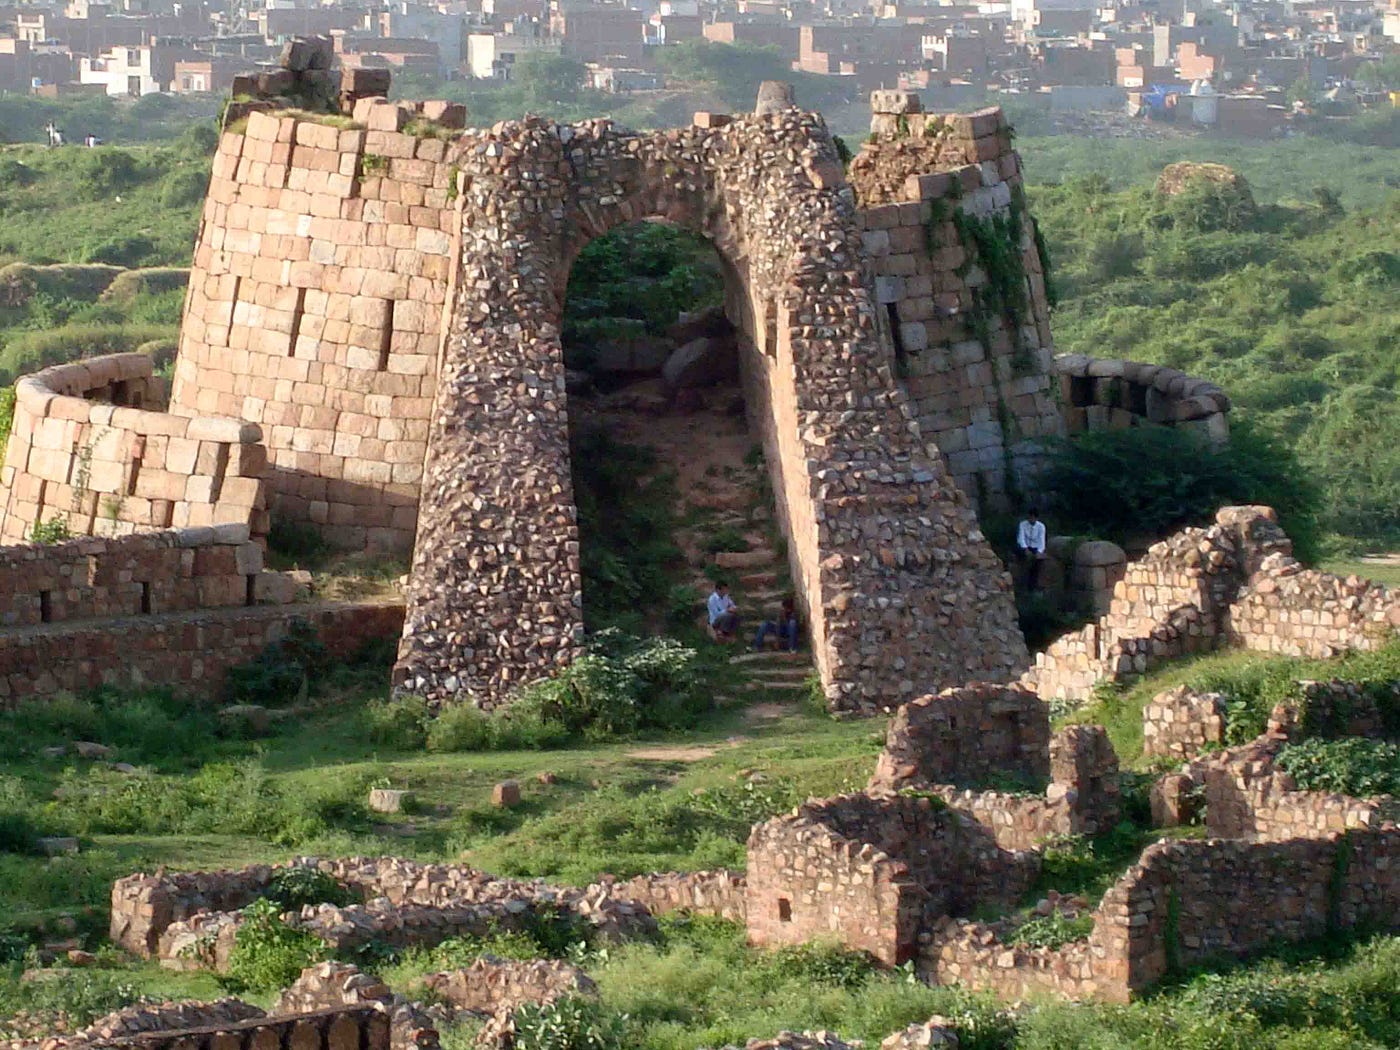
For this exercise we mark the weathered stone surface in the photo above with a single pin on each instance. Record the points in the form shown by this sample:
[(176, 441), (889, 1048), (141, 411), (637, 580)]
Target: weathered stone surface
[(701, 362)]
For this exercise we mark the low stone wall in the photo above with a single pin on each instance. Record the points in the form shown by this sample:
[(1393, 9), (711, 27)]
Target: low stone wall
[(491, 985), (1082, 799), (143, 574), (1232, 584), (83, 452), (1335, 708), (1098, 394), (718, 893), (868, 870), (1181, 723), (1247, 797), (360, 1028), (338, 985), (972, 955), (1194, 901), (1184, 904), (190, 652), (963, 735), (1301, 612)]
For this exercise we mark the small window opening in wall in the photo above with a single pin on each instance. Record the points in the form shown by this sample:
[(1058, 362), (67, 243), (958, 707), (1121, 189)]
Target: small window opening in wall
[(784, 910), (250, 596), (146, 598), (45, 607), (892, 312), (386, 340)]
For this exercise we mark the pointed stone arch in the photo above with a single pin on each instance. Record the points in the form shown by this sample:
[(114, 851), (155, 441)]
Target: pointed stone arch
[(901, 591)]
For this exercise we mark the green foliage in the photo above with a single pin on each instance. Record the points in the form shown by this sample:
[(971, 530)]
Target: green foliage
[(183, 187), (1052, 931), (1149, 480), (569, 1023), (996, 247), (28, 350), (79, 996), (736, 70), (268, 954), (621, 686), (295, 542), (293, 888), (282, 672), (824, 964), (397, 722), (641, 277), (1285, 306), (55, 530), (1351, 766), (626, 521)]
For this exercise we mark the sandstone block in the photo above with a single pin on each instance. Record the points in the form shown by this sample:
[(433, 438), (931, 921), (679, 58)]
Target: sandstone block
[(506, 793)]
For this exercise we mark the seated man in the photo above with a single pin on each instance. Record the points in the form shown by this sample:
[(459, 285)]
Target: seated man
[(723, 613), (785, 627)]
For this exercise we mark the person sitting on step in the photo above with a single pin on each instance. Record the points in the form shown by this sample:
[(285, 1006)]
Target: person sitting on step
[(723, 613), (785, 627)]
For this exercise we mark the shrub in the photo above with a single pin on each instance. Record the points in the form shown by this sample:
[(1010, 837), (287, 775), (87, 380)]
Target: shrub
[(283, 672), (1352, 766), (569, 1023), (830, 964), (295, 540), (267, 953), (293, 888), (462, 727), (398, 723), (55, 530), (1118, 484), (1052, 931)]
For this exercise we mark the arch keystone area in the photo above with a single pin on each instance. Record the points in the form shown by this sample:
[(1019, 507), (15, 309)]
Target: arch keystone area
[(901, 591)]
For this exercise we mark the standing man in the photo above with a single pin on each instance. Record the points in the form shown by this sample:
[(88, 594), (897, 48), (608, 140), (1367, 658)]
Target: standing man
[(724, 616), (1030, 546)]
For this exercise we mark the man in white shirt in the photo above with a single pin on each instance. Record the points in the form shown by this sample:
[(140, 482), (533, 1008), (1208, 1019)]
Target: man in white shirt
[(724, 615), (1030, 545)]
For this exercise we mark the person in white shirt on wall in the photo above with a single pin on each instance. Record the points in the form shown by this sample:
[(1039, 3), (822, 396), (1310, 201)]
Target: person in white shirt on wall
[(1030, 547), (723, 613)]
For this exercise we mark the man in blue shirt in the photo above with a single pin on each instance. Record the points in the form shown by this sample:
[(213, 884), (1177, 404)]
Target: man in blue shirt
[(723, 613)]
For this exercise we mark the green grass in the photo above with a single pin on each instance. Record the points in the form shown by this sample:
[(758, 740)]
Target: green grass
[(1387, 573), (1254, 681)]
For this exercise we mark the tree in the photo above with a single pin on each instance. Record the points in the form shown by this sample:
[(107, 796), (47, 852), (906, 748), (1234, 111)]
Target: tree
[(546, 80)]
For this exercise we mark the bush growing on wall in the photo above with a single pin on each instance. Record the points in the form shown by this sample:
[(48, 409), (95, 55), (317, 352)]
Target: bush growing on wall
[(267, 953)]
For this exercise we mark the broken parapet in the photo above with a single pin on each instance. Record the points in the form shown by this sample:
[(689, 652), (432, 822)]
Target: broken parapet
[(306, 78)]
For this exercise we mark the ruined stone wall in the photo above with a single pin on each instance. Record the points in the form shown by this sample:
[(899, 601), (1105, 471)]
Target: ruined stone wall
[(1247, 797), (963, 736), (187, 651), (896, 580), (1302, 612), (1196, 900), (85, 452), (972, 344), (1234, 583), (142, 574), (806, 881), (1181, 723), (869, 871), (1098, 394), (718, 893), (315, 310), (1185, 903)]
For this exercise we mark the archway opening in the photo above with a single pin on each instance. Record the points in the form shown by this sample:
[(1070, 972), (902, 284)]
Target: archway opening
[(669, 472)]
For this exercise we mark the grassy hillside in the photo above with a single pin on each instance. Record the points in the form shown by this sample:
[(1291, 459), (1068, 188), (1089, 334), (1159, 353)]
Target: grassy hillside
[(1289, 306)]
